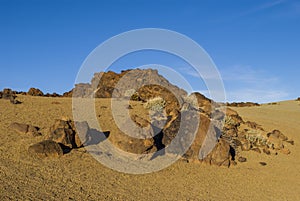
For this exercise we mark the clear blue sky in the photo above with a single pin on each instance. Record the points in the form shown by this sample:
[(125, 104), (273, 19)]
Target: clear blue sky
[(254, 43)]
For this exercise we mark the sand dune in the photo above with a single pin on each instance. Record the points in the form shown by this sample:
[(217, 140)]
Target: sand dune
[(78, 176)]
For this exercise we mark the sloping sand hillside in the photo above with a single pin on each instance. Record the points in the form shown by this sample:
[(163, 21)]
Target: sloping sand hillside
[(78, 176)]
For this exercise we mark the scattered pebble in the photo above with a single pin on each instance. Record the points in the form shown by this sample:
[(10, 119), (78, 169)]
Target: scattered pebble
[(256, 150), (242, 159), (262, 163)]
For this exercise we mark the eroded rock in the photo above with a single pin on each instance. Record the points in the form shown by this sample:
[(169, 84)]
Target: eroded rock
[(35, 92), (220, 155), (46, 148), (25, 129), (69, 133)]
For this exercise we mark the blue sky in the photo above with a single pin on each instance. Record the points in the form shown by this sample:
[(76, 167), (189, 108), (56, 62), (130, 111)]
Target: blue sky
[(254, 44)]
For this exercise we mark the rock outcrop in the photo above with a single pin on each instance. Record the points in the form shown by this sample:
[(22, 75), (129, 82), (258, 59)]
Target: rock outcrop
[(193, 126), (246, 136), (10, 95), (35, 92), (110, 84)]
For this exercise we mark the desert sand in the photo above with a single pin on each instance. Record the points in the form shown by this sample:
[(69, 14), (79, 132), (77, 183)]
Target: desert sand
[(78, 176)]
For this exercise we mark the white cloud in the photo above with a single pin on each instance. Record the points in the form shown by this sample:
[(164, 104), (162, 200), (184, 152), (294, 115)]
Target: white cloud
[(264, 6), (247, 74), (244, 83), (256, 95), (205, 75)]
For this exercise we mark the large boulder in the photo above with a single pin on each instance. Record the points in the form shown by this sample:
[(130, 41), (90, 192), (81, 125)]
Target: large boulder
[(206, 133), (181, 131), (205, 146), (220, 155), (46, 148), (65, 133), (137, 138)]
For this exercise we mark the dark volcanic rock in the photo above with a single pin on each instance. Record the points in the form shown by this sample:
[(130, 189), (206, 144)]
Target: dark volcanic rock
[(242, 159), (65, 132), (263, 163), (64, 136), (140, 140), (220, 155), (110, 84), (180, 131), (205, 146)]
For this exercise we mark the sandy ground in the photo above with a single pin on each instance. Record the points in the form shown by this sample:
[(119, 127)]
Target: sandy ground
[(78, 176)]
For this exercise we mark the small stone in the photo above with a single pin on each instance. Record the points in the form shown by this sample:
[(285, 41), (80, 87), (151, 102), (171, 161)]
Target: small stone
[(25, 129), (277, 134), (13, 100), (242, 159), (275, 141), (290, 142), (256, 150), (246, 145), (266, 151), (32, 130), (19, 128), (285, 151), (263, 163)]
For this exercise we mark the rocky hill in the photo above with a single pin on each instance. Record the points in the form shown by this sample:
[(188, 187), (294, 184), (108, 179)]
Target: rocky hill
[(169, 109)]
